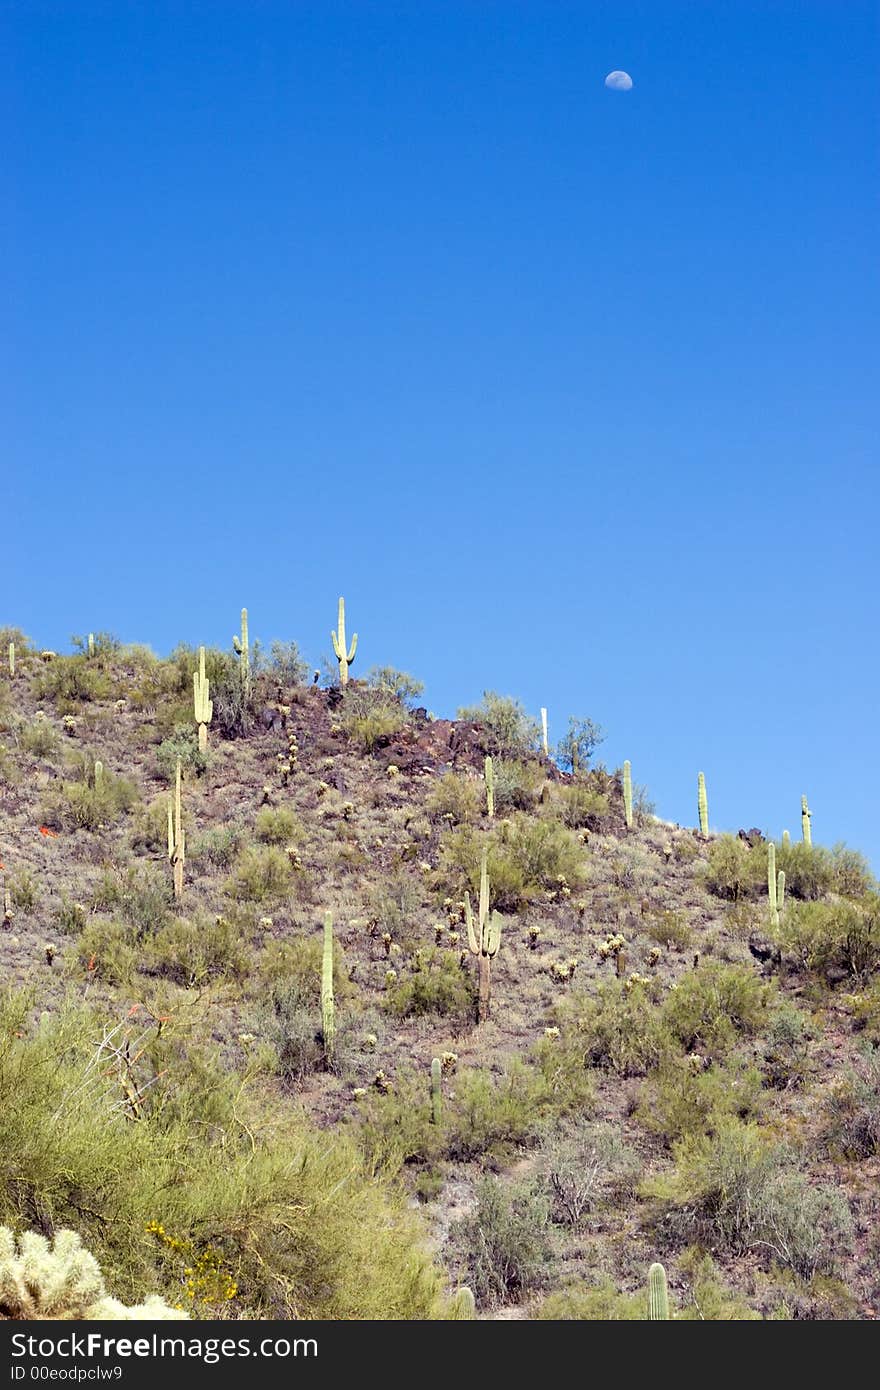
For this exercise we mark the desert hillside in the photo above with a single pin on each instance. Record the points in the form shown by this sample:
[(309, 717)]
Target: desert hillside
[(250, 1054)]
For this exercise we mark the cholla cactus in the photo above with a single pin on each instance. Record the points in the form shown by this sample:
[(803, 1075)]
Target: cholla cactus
[(484, 938), (658, 1297), (202, 706), (344, 656), (62, 1281)]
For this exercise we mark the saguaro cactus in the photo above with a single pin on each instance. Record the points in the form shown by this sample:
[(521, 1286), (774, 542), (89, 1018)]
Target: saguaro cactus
[(90, 645), (462, 1305), (436, 1091), (490, 787), (628, 793), (546, 745), (328, 1005), (806, 815), (12, 661), (484, 938), (703, 804), (780, 890), (786, 838), (203, 707), (242, 648), (98, 773), (176, 845), (658, 1296), (343, 656), (771, 883)]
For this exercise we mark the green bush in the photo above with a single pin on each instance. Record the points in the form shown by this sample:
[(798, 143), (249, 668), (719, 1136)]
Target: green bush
[(508, 728), (89, 804), (287, 665), (437, 986), (183, 744), (395, 1128), (503, 1247), (616, 1028), (690, 1095), (219, 847), (740, 1190), (71, 681), (192, 952), (402, 687), (40, 738), (260, 876), (585, 1166), (852, 1111), (809, 870), (581, 806), (577, 747), (487, 1116), (711, 1007), (457, 798), (296, 965), (842, 935), (23, 890), (302, 1230), (594, 1303), (370, 717), (277, 826), (734, 870), (294, 1031), (525, 856), (517, 785)]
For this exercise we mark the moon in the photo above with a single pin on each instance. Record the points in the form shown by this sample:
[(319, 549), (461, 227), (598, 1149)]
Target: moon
[(618, 81)]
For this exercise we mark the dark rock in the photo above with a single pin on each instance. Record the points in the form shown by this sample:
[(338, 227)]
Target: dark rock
[(752, 837)]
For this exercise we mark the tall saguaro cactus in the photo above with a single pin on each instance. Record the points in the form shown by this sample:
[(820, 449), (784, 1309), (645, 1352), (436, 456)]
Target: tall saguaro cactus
[(484, 938), (703, 804), (545, 744), (176, 838), (806, 815), (772, 884), (780, 890), (204, 708), (489, 770), (328, 1005), (12, 661), (628, 793), (658, 1294), (436, 1091), (343, 656), (242, 648)]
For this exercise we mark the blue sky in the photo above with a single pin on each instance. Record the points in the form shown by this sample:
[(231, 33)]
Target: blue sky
[(568, 390)]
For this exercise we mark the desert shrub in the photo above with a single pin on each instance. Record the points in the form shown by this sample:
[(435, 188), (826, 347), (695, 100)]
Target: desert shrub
[(581, 806), (23, 890), (218, 847), (69, 917), (852, 875), (260, 875), (294, 1031), (809, 869), (150, 828), (287, 665), (39, 738), (370, 717), (710, 1007), (508, 728), (191, 952), (685, 1096), (89, 804), (394, 904), (576, 748), (503, 1247), (301, 1228), (402, 687), (295, 965), (786, 1058), (183, 744), (739, 1190), (734, 870), (851, 1110), (107, 950), (865, 1008), (494, 1116), (568, 1078), (594, 1303), (525, 856), (842, 935), (71, 681), (670, 929), (618, 1029), (140, 896), (585, 1165), (277, 826), (457, 798), (395, 1127), (438, 985), (517, 785)]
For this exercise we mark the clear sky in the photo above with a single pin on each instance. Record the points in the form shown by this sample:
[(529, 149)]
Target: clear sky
[(568, 390)]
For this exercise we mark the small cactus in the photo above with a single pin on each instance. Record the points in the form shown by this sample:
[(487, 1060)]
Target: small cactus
[(344, 656), (658, 1296), (328, 1006), (462, 1305), (703, 805), (628, 793), (771, 883), (786, 838), (176, 837), (62, 1281), (806, 815)]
